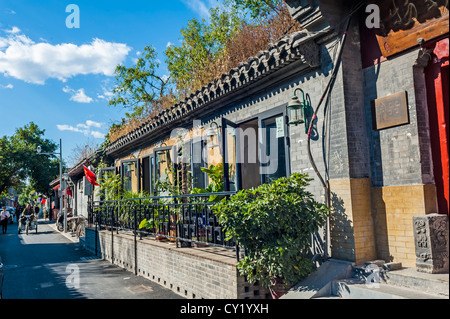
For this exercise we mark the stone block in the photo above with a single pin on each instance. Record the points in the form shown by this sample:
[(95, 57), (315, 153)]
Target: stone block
[(431, 237), (379, 263), (392, 266)]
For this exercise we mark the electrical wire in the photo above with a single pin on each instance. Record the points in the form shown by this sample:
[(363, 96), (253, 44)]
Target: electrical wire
[(325, 95), (326, 92)]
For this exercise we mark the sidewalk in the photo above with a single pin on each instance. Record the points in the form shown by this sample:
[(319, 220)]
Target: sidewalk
[(52, 224)]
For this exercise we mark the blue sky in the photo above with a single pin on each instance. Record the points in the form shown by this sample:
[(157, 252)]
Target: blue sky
[(60, 77)]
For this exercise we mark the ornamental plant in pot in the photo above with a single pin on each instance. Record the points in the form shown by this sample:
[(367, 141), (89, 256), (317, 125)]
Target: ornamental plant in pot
[(274, 224), (152, 225)]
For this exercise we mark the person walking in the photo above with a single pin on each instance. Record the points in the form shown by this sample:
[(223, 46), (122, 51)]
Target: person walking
[(4, 219), (36, 210), (18, 212)]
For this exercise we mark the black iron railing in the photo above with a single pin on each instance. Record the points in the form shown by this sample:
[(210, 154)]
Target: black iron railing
[(185, 219)]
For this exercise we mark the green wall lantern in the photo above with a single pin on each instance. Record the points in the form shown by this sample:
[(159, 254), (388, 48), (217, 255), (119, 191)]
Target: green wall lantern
[(161, 155), (297, 110)]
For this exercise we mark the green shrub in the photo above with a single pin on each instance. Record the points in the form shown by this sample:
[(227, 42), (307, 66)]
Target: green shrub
[(274, 223)]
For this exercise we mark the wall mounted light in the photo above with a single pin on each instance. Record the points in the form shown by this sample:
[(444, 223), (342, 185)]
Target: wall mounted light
[(298, 110), (65, 180), (213, 135), (162, 154)]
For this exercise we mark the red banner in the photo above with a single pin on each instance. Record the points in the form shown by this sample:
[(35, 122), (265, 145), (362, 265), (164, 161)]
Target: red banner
[(90, 176)]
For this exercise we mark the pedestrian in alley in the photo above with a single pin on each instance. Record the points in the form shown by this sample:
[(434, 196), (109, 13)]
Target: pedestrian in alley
[(18, 212), (4, 217), (36, 211)]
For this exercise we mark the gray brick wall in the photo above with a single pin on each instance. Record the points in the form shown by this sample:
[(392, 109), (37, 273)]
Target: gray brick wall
[(339, 144), (355, 113), (182, 270), (395, 154), (335, 143)]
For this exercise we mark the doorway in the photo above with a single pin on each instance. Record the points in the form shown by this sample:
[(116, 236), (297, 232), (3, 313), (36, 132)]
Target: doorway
[(437, 83), (249, 160)]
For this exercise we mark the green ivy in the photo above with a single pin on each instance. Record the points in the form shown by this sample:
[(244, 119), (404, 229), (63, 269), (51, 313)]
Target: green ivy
[(274, 223)]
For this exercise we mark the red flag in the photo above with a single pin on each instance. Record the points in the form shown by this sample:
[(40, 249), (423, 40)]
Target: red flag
[(90, 176), (43, 201)]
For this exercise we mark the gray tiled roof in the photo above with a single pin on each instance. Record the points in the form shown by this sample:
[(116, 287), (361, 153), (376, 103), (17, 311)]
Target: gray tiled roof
[(291, 48)]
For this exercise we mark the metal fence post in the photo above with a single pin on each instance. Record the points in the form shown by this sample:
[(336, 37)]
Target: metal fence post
[(96, 222), (112, 235), (135, 239)]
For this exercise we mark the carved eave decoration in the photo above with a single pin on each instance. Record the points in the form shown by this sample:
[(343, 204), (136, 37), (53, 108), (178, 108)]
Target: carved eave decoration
[(256, 72), (320, 19)]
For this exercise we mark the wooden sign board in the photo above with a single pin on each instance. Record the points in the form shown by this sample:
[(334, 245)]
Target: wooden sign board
[(403, 23), (390, 111)]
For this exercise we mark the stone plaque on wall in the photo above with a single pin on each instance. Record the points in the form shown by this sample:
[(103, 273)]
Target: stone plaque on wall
[(431, 243), (389, 111)]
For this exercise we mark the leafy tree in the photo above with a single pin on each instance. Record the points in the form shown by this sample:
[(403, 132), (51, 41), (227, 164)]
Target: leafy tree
[(19, 161), (236, 30), (201, 44), (8, 171), (138, 87), (257, 10), (25, 195)]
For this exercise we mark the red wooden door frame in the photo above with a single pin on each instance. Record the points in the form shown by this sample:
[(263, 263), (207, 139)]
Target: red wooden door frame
[(437, 94)]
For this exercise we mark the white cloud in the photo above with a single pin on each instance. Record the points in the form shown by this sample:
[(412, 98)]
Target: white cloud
[(8, 86), (14, 30), (169, 44), (198, 7), (24, 59), (97, 134), (106, 95), (65, 127), (93, 123), (78, 95), (84, 128), (81, 97)]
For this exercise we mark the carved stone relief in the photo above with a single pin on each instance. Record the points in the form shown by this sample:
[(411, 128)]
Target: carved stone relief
[(431, 242)]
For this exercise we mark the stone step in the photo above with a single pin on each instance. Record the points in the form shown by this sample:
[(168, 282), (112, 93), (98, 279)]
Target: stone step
[(328, 298), (318, 284), (358, 289), (411, 278)]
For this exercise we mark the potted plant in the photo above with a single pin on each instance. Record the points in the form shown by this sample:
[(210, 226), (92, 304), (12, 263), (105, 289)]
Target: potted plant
[(146, 225), (274, 224), (152, 225), (215, 173)]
